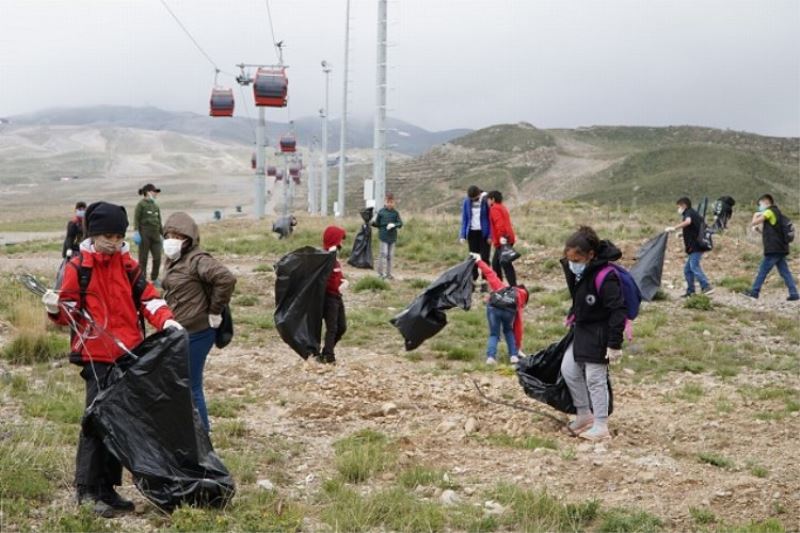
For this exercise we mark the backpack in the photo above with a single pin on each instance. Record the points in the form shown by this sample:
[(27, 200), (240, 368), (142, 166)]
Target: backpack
[(787, 228), (505, 298), (705, 237), (630, 292)]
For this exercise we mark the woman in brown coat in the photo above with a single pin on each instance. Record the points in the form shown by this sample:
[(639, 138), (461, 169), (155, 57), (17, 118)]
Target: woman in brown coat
[(197, 287)]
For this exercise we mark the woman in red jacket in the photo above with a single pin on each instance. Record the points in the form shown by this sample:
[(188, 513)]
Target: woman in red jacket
[(502, 233), (106, 283)]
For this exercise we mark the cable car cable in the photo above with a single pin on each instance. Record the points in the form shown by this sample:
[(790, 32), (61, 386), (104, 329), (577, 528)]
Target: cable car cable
[(272, 31), (191, 37)]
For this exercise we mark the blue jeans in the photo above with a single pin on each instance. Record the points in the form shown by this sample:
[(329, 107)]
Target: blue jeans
[(692, 270), (200, 344), (767, 264), (501, 319)]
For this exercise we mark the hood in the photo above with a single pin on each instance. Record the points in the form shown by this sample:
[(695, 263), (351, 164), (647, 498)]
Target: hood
[(87, 248), (333, 236), (182, 223)]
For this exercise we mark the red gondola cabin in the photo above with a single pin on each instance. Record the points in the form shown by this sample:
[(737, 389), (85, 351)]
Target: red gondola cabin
[(272, 171), (221, 103), (271, 87), (279, 175), (288, 144)]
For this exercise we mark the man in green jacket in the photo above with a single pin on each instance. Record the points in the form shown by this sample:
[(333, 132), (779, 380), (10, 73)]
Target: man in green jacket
[(147, 225), (387, 221)]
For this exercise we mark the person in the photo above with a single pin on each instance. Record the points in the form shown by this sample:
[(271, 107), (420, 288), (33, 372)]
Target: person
[(691, 225), (72, 241), (723, 211), (197, 288), (508, 319), (105, 283), (475, 227), (501, 234), (148, 231), (387, 221), (333, 306), (597, 319), (776, 247)]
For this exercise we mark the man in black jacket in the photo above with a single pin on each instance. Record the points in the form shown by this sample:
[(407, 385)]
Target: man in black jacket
[(691, 225), (776, 247), (72, 241)]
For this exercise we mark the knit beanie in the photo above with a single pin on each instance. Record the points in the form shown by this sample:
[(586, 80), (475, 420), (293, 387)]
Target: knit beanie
[(105, 218)]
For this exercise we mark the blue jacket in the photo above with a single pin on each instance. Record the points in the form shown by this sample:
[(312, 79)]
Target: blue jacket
[(466, 218)]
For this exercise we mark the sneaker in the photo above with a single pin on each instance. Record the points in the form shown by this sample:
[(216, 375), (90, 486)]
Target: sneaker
[(389, 277), (596, 434), (750, 294), (513, 359), (90, 496), (491, 361), (573, 429), (708, 290), (328, 359), (112, 498), (793, 298), (687, 295)]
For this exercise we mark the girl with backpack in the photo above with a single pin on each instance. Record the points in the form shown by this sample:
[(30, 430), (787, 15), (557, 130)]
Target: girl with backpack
[(598, 319), (197, 288)]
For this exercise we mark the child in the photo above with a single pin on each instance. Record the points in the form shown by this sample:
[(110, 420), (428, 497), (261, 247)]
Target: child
[(691, 225), (475, 226), (508, 318), (116, 294), (598, 327), (333, 307), (502, 233), (388, 222)]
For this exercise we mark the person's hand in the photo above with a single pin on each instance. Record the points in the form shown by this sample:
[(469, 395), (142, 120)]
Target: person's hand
[(462, 241), (476, 256), (173, 324), (390, 226), (503, 240), (137, 238), (344, 285), (69, 253), (50, 301), (215, 321), (333, 248), (613, 355), (669, 229)]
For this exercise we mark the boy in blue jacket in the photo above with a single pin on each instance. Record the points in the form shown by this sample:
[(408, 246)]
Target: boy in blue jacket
[(475, 227)]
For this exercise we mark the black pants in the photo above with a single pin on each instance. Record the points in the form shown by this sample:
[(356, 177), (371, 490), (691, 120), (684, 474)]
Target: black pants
[(507, 268), (151, 244), (335, 324), (95, 466), (478, 245)]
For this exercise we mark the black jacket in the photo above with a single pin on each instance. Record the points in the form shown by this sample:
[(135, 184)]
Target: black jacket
[(599, 318), (691, 233), (74, 237), (773, 237)]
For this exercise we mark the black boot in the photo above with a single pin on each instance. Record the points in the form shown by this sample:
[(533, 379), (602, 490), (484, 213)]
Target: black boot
[(88, 494), (112, 498)]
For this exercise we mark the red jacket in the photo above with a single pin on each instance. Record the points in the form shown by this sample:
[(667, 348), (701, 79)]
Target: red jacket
[(109, 301), (495, 284), (333, 236), (500, 224)]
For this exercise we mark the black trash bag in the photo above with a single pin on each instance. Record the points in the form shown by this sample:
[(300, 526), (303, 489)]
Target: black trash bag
[(723, 211), (649, 266), (224, 334), (508, 254), (145, 417), (425, 317), (301, 277), (284, 226), (541, 379), (361, 256)]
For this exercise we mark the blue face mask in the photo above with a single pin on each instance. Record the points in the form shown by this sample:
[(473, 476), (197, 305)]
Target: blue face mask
[(80, 213), (762, 208), (577, 268)]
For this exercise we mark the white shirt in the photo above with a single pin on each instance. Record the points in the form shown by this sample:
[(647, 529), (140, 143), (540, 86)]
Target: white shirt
[(475, 219)]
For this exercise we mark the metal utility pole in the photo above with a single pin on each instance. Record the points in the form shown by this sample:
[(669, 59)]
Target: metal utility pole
[(261, 162), (312, 185), (343, 130), (326, 68), (378, 185)]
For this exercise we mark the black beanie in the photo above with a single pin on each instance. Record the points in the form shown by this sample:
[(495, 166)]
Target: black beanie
[(103, 218)]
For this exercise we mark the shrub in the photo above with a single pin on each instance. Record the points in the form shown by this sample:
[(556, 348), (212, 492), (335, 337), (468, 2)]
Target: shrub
[(699, 302), (630, 521), (715, 459), (371, 283), (361, 455)]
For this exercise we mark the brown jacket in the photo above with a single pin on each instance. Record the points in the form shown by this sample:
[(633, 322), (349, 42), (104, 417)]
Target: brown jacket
[(196, 285)]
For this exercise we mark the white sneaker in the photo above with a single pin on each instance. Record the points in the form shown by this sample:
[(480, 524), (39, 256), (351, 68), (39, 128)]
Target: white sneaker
[(513, 359), (491, 361)]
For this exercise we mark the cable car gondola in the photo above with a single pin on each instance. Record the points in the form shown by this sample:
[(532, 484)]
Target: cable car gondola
[(221, 102), (294, 170), (253, 161), (288, 144), (296, 179), (270, 87), (278, 175), (272, 171)]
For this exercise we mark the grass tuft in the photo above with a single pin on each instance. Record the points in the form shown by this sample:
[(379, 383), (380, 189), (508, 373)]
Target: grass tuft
[(715, 459), (371, 283), (361, 455)]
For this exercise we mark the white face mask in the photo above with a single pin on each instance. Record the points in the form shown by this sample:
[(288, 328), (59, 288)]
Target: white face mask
[(681, 210), (172, 248)]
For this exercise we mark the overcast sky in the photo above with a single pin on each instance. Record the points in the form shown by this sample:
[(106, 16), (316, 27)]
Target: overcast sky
[(455, 63)]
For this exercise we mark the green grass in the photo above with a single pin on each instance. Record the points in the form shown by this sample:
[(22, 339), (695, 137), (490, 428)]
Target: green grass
[(702, 516), (629, 521), (246, 300), (418, 475), (691, 392), (362, 454), (736, 284), (529, 442), (699, 302), (225, 407), (29, 347), (506, 137), (538, 511), (77, 521), (715, 459), (371, 283)]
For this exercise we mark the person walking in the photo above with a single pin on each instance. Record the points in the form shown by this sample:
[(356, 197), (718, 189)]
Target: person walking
[(197, 289), (74, 237), (387, 221), (691, 225), (148, 230), (502, 234), (333, 307), (770, 222), (475, 227)]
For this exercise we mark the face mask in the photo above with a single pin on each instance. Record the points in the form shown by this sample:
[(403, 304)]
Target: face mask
[(681, 210), (80, 213), (762, 208), (151, 196), (106, 246), (172, 248), (577, 268)]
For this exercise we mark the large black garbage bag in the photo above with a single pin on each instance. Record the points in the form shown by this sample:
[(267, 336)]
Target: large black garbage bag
[(284, 226), (541, 379), (361, 256), (650, 265), (146, 418), (425, 317), (301, 277)]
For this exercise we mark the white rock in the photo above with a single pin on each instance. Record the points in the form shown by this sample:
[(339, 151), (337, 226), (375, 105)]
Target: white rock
[(388, 409), (265, 484), (629, 371), (448, 497), (494, 508), (471, 426), (706, 333)]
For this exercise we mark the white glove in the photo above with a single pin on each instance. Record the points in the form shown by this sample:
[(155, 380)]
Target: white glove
[(215, 321), (50, 301), (333, 248), (613, 355), (462, 241), (390, 226), (173, 324), (343, 285), (503, 240), (669, 229), (476, 256)]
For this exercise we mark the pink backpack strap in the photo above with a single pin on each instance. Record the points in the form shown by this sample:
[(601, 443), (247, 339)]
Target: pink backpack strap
[(601, 277)]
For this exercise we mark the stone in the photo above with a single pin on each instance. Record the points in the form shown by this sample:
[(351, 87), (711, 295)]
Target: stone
[(447, 425), (646, 476), (265, 484), (471, 426), (629, 371), (706, 333), (493, 508), (448, 497), (388, 408)]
